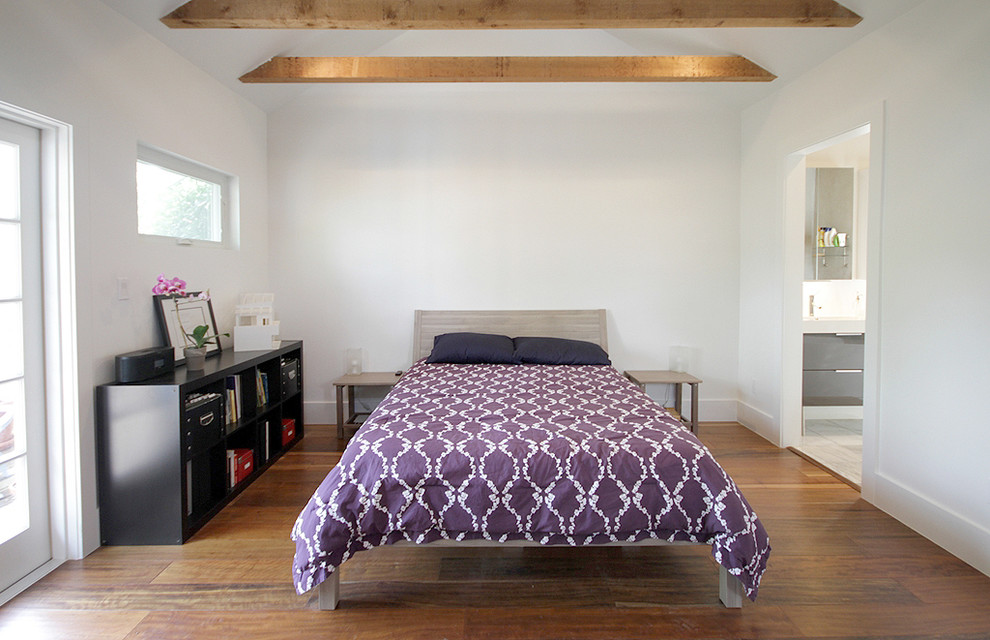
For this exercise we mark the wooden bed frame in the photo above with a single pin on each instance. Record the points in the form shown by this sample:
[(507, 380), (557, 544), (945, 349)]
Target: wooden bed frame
[(589, 325)]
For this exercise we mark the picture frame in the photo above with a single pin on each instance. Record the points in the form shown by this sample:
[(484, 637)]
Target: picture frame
[(194, 311)]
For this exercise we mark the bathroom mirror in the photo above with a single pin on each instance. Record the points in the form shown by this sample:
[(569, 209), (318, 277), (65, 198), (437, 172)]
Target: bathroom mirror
[(829, 224)]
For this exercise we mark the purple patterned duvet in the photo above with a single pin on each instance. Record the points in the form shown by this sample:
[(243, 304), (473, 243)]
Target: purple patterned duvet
[(570, 455)]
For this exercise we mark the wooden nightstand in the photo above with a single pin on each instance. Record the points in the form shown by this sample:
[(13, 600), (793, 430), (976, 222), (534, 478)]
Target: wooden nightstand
[(351, 381), (676, 378)]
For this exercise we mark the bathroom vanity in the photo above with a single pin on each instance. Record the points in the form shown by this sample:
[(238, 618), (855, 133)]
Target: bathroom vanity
[(833, 368)]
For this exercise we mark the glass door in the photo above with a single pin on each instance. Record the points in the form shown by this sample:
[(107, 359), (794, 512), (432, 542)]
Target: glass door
[(25, 531)]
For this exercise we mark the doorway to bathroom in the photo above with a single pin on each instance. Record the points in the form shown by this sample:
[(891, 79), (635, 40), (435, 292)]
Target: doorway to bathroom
[(830, 186)]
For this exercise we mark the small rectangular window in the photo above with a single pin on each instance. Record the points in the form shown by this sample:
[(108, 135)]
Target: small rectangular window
[(179, 198)]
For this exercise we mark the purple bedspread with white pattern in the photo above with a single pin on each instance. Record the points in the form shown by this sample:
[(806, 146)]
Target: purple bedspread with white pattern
[(571, 455)]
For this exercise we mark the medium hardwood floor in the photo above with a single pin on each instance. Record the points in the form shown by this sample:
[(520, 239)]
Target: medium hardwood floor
[(839, 569)]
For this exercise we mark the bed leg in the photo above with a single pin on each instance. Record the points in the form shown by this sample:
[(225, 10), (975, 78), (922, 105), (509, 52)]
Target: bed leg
[(730, 590), (330, 592)]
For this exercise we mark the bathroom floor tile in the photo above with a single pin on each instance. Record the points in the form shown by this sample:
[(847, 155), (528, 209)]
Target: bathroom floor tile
[(837, 444)]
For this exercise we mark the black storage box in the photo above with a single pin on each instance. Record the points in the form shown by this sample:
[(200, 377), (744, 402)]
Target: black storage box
[(290, 377), (204, 423)]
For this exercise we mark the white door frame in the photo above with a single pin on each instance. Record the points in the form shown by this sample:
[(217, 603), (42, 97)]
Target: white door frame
[(793, 262), (61, 365)]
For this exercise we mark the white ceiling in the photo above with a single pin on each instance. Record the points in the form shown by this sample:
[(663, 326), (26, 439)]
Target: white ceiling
[(226, 54)]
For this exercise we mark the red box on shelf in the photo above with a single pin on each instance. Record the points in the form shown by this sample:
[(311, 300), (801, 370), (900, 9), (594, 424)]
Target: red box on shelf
[(240, 464), (288, 430)]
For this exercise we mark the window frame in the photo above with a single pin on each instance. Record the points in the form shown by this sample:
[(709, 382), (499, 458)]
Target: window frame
[(178, 164)]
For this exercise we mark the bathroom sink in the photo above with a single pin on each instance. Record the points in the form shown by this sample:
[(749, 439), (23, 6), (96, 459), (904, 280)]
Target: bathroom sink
[(835, 318), (833, 324)]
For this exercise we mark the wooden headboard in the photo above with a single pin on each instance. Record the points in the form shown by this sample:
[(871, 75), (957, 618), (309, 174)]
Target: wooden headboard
[(579, 324)]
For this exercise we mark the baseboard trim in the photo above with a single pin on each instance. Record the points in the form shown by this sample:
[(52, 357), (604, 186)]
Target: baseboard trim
[(714, 410), (759, 422), (320, 412), (13, 590), (833, 413), (959, 536)]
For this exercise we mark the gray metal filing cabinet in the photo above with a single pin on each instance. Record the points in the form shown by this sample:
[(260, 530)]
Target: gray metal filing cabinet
[(833, 369)]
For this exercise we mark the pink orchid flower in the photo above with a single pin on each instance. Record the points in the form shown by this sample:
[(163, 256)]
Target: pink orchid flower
[(165, 286)]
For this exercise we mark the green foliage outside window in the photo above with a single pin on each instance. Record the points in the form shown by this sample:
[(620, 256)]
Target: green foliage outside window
[(177, 205)]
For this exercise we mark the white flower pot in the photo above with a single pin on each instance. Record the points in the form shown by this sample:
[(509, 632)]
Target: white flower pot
[(195, 358)]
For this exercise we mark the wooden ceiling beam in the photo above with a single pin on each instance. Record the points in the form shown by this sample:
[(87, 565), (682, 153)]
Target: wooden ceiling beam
[(511, 69), (508, 14)]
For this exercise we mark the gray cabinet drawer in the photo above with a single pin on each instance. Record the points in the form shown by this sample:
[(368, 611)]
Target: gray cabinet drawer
[(833, 389), (824, 351)]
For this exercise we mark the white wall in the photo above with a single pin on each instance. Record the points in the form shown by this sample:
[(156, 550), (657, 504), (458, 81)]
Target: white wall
[(386, 199), (925, 74), (83, 64)]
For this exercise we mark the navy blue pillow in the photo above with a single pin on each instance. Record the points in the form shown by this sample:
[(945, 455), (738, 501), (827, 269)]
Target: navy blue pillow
[(472, 348), (559, 351)]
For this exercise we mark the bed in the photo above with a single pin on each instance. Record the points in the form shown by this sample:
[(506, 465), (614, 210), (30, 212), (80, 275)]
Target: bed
[(521, 452)]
